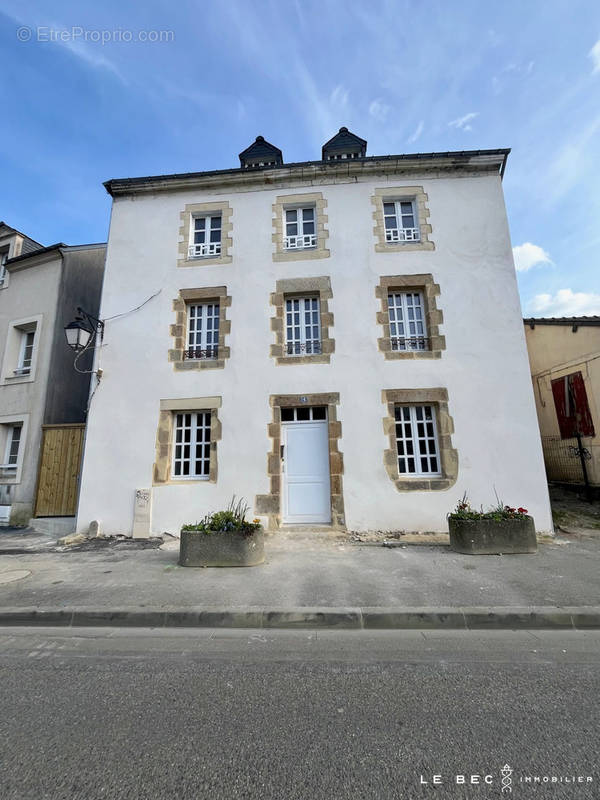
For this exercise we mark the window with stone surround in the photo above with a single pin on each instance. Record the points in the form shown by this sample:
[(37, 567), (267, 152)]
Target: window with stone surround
[(419, 429), (302, 326), (302, 322), (191, 445), (300, 227), (205, 234), (200, 329), (300, 233), (186, 440), (409, 317), (401, 217)]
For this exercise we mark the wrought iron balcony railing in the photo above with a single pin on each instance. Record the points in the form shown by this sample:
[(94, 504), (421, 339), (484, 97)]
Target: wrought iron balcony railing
[(204, 250), (410, 343), (402, 235), (301, 242), (303, 348), (195, 353)]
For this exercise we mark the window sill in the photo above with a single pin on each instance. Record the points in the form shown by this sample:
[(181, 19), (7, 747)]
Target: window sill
[(27, 378), (204, 261), (321, 358)]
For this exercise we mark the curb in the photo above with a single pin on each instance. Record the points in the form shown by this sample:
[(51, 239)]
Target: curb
[(474, 618)]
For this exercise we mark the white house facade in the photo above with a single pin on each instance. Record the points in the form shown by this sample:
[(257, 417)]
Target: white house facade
[(340, 342)]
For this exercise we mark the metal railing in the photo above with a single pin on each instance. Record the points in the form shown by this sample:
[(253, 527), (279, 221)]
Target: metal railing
[(204, 250), (195, 353), (402, 235), (563, 458), (300, 242), (410, 343), (303, 348)]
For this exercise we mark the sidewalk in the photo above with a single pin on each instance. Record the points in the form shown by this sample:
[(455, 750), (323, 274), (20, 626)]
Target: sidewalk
[(303, 579)]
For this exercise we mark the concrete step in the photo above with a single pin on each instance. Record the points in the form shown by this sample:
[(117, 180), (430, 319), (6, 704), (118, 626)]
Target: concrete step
[(55, 526)]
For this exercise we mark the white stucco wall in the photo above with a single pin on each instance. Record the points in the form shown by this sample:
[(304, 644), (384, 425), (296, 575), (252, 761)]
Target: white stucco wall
[(484, 367), (30, 294)]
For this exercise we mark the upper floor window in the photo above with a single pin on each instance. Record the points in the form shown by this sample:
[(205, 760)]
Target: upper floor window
[(407, 321), (191, 446), (302, 326), (417, 441), (206, 234), (25, 352), (3, 260), (571, 404), (400, 220), (202, 331), (11, 450), (300, 230)]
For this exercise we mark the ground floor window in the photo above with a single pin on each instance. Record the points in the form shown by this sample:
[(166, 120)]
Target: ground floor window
[(191, 447), (416, 440)]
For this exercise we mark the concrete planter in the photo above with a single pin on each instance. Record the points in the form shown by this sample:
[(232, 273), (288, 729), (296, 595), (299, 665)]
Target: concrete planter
[(492, 537), (221, 549)]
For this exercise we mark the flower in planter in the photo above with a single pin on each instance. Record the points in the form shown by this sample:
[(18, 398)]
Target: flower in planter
[(232, 519), (498, 512)]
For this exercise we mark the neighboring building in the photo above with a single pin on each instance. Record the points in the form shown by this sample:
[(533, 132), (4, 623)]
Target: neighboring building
[(39, 386), (564, 354), (338, 341), (13, 243)]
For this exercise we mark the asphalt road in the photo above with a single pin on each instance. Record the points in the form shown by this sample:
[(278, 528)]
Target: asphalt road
[(114, 713)]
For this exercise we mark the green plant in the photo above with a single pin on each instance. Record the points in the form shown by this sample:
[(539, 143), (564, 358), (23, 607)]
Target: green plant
[(233, 518), (497, 512)]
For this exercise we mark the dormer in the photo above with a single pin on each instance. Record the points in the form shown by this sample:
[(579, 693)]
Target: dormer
[(344, 145), (261, 154)]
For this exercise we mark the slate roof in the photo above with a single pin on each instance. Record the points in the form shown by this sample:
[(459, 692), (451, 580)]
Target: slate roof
[(583, 321), (261, 150), (342, 141)]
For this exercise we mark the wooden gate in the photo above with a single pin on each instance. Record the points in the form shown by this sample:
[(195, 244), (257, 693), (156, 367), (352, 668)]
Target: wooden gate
[(58, 477)]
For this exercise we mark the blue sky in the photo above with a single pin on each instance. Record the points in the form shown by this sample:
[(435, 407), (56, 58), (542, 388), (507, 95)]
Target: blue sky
[(406, 76)]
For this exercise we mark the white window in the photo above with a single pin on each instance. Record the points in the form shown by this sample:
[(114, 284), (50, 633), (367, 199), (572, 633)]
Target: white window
[(300, 231), (400, 218), (11, 450), (25, 352), (416, 440), (191, 446), (3, 260), (203, 331), (207, 237), (407, 321), (302, 326)]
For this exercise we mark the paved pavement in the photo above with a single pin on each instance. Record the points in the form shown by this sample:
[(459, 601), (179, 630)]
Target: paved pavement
[(306, 573), (221, 715)]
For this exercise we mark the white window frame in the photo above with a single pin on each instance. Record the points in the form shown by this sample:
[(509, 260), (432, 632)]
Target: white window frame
[(398, 232), (297, 342), (3, 259), (198, 345), (11, 460), (409, 437), (9, 423), (408, 330), (300, 240), (179, 457), (24, 362), (205, 249)]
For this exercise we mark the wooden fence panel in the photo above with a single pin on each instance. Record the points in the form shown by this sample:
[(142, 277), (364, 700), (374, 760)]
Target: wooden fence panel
[(58, 478)]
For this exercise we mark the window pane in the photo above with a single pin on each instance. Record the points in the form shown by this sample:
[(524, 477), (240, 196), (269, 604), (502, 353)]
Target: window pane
[(287, 414), (291, 215), (320, 412), (302, 414), (308, 214)]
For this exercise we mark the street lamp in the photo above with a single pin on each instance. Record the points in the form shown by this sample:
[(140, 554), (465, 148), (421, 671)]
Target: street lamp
[(81, 333)]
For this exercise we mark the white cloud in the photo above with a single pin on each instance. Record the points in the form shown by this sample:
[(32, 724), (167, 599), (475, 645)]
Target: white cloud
[(594, 54), (462, 123), (566, 303), (529, 255), (417, 133), (379, 110)]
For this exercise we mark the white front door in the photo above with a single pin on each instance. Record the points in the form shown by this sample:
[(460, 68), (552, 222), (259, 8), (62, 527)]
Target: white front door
[(305, 472)]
